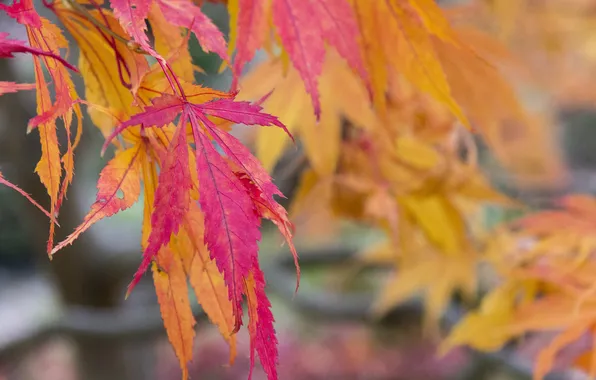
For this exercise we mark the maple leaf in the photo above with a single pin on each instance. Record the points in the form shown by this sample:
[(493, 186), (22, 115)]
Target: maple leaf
[(24, 12), (172, 195), (110, 69), (206, 280), (262, 333), (303, 28), (122, 173), (231, 212), (46, 40), (8, 47), (395, 38), (172, 294), (185, 14), (132, 15), (291, 103), (219, 186)]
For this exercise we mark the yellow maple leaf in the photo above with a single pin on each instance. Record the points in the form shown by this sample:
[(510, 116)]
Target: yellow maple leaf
[(402, 42), (342, 96)]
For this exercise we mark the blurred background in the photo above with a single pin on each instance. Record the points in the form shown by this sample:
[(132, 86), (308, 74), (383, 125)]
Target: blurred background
[(67, 319)]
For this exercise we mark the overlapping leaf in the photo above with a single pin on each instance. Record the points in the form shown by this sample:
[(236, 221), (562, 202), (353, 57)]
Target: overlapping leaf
[(556, 263), (181, 13), (172, 294), (45, 41), (232, 213), (398, 168), (292, 105), (303, 28)]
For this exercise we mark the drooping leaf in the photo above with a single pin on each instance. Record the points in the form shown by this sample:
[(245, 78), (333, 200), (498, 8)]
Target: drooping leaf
[(303, 29), (300, 34), (232, 221), (291, 103), (185, 14), (109, 68), (171, 198), (206, 280), (262, 333), (395, 38), (132, 15), (172, 294), (49, 167), (121, 174), (248, 29)]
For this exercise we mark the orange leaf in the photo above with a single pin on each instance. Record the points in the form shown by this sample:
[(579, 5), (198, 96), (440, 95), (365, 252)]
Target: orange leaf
[(122, 174), (206, 280), (172, 294)]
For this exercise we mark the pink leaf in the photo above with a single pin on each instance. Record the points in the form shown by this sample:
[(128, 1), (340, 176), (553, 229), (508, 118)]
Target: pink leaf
[(132, 14), (339, 27), (261, 186), (263, 339), (6, 183), (231, 225), (163, 111), (252, 31), (185, 14), (240, 112), (299, 31), (275, 212), (172, 200), (24, 12)]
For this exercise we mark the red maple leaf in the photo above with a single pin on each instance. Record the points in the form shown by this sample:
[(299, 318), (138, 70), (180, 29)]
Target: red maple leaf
[(183, 13), (304, 28), (235, 192), (23, 12)]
